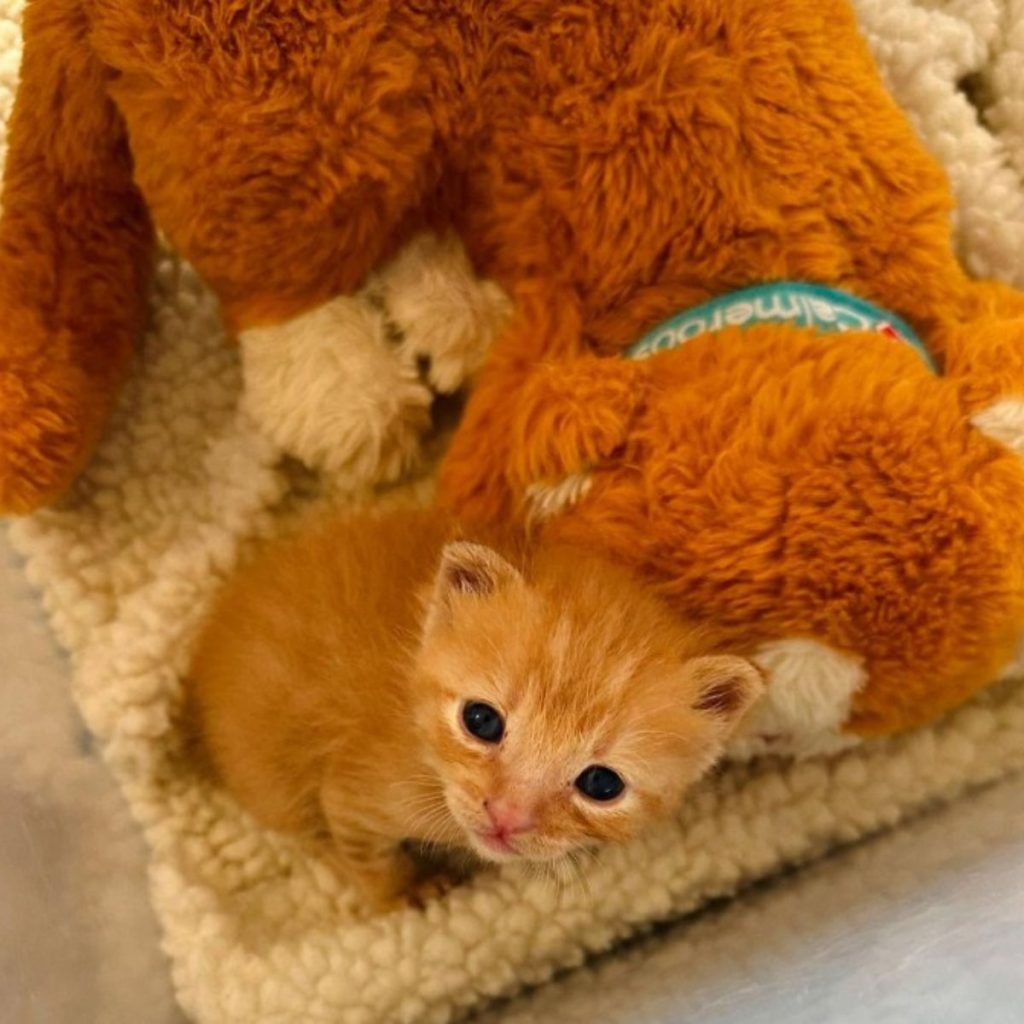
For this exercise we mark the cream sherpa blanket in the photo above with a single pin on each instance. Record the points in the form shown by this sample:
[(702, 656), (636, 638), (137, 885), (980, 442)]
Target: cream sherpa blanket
[(256, 933)]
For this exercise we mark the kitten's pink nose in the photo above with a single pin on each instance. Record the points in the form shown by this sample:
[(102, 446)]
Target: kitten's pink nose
[(508, 818)]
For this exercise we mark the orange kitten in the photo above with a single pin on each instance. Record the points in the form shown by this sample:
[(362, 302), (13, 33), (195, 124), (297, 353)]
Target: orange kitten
[(377, 681)]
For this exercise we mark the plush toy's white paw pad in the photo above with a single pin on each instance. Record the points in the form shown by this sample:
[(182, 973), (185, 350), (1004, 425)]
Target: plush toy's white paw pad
[(327, 388), (446, 316), (811, 688), (1003, 421)]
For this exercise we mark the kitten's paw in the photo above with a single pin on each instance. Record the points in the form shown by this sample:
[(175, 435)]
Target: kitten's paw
[(397, 879), (432, 887), (413, 894), (444, 316), (328, 388)]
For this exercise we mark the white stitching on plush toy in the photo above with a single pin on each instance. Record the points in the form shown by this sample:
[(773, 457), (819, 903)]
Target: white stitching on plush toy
[(545, 500)]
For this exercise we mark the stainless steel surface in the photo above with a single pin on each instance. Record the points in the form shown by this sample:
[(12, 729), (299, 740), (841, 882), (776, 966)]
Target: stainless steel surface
[(923, 925), (78, 942)]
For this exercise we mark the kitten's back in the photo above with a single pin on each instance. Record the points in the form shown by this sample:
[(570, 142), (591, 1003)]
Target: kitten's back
[(291, 646)]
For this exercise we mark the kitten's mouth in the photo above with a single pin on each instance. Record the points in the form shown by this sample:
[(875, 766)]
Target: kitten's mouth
[(501, 847), (488, 843), (497, 847), (498, 842)]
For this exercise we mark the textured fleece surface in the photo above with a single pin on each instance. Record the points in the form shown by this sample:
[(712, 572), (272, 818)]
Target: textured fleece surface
[(258, 933)]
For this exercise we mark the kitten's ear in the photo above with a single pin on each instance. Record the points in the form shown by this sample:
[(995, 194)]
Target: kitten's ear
[(724, 687), (467, 569)]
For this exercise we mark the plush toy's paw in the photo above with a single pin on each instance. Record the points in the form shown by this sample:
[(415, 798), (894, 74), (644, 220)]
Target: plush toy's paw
[(327, 388), (1003, 421), (443, 316), (572, 416), (984, 360), (810, 694), (50, 415)]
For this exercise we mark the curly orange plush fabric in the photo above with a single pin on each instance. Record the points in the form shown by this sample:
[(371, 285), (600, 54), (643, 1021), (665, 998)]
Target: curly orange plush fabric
[(610, 163), (794, 485), (791, 485)]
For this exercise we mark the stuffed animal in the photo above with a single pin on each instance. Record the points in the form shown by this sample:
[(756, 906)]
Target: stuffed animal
[(830, 462), (819, 488), (288, 149), (610, 165)]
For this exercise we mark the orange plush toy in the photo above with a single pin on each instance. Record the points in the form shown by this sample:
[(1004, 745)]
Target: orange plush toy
[(852, 500)]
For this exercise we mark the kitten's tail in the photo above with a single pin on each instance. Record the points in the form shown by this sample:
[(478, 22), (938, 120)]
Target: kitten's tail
[(75, 254)]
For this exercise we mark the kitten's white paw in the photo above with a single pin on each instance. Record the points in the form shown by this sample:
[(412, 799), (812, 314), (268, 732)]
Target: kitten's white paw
[(444, 315), (811, 688), (328, 388), (1003, 421)]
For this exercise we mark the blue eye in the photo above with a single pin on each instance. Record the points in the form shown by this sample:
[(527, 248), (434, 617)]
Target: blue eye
[(599, 783), (483, 722)]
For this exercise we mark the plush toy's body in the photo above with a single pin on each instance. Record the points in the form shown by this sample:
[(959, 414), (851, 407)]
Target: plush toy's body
[(820, 493), (609, 164)]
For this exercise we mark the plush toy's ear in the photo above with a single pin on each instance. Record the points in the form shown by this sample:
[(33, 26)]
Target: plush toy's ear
[(723, 687), (466, 570)]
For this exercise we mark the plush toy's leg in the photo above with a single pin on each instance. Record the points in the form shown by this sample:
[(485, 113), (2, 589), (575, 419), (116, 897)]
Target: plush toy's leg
[(960, 620), (529, 420), (328, 388), (572, 415), (984, 356), (347, 387), (286, 191), (75, 251)]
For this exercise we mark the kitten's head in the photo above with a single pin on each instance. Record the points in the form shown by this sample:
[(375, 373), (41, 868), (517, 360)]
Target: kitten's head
[(564, 706)]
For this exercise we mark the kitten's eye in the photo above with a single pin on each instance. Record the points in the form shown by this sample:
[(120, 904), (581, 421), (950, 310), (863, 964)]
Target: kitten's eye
[(599, 783), (483, 722)]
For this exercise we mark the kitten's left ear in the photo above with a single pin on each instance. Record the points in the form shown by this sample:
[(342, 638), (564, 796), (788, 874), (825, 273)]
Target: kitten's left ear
[(724, 687), (467, 569)]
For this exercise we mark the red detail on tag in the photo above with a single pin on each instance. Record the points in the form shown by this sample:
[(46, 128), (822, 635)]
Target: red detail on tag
[(889, 331)]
